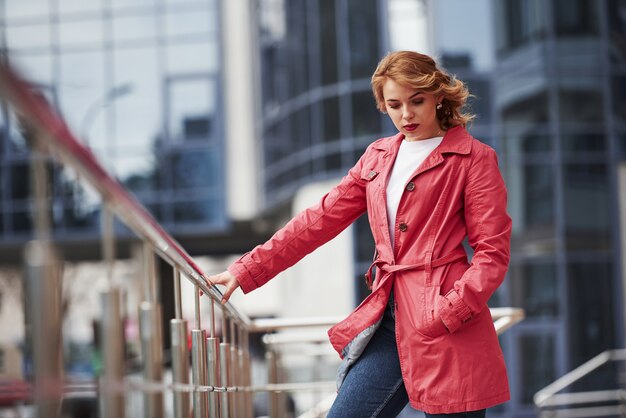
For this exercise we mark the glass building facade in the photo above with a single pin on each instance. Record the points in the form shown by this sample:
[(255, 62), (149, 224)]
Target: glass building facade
[(317, 113), (140, 83), (557, 100)]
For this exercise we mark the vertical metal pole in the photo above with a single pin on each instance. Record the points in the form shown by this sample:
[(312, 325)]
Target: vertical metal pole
[(241, 381), (112, 346), (152, 352), (234, 372), (108, 241), (150, 325), (213, 363), (224, 370), (43, 310), (248, 374), (199, 363), (272, 377), (199, 372), (43, 293), (180, 354)]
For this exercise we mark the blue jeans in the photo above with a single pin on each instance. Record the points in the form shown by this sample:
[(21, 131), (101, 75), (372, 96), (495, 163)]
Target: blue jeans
[(373, 386)]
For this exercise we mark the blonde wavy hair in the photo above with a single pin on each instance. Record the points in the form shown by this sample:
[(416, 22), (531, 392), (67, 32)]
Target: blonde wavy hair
[(420, 72)]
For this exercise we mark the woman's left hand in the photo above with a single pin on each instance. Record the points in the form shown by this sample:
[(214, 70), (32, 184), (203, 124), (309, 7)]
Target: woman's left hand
[(228, 280)]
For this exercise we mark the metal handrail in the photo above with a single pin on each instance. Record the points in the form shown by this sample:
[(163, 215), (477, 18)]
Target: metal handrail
[(34, 109), (549, 397)]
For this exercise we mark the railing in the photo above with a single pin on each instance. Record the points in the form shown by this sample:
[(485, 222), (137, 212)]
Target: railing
[(587, 404), (221, 381)]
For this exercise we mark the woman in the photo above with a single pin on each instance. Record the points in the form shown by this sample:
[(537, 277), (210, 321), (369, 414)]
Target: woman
[(424, 335)]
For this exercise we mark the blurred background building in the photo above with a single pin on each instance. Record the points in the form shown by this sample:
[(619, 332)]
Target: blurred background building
[(226, 118)]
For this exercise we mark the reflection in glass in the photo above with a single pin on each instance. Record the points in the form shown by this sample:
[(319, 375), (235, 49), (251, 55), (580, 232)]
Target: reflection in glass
[(17, 142), (332, 127), (576, 17), (580, 106), (26, 9), (328, 41), (272, 19), (586, 206), (81, 92), (298, 63), (81, 33), (333, 161), (466, 40), (525, 139), (193, 22), (138, 114), (537, 366), (534, 288), (532, 110), (583, 142), (20, 180), (78, 6), (195, 169), (193, 57), (479, 102), (363, 32), (366, 118), (119, 5), (618, 83), (28, 36), (131, 28), (195, 211), (524, 20), (192, 113), (301, 129), (21, 221), (591, 323), (37, 68), (538, 196)]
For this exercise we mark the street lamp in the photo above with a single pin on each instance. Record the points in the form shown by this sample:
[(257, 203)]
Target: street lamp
[(114, 93)]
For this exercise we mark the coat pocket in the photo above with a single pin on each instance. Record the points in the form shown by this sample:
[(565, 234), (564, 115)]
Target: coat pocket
[(431, 325)]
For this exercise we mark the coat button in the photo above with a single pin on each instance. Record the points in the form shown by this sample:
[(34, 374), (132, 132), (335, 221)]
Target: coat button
[(403, 227), (410, 187)]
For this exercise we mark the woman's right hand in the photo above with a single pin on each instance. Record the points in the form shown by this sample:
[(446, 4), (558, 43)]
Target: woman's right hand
[(228, 280)]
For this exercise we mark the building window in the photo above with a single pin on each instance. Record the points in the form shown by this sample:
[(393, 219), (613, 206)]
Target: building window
[(576, 17)]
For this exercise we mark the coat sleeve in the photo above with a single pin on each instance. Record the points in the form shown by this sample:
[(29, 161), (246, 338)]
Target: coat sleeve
[(307, 231), (489, 234)]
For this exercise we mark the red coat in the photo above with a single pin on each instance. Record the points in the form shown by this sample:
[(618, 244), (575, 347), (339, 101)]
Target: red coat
[(458, 191)]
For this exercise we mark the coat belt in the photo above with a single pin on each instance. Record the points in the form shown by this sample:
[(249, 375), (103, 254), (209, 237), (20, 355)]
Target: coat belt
[(388, 268)]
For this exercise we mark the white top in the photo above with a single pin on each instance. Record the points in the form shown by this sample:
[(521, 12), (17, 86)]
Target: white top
[(410, 156)]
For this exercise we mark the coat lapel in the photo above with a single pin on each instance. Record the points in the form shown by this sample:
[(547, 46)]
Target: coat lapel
[(456, 141)]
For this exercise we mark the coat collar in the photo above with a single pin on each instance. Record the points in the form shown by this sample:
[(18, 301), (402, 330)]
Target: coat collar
[(456, 140)]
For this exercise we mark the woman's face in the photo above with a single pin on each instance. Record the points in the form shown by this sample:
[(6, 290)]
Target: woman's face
[(412, 111)]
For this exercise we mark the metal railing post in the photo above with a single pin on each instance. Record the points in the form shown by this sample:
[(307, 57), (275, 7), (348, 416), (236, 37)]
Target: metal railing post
[(272, 377), (112, 346), (43, 295), (150, 327), (234, 372), (180, 354), (213, 363), (112, 328), (247, 374), (43, 290), (199, 363), (224, 370)]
